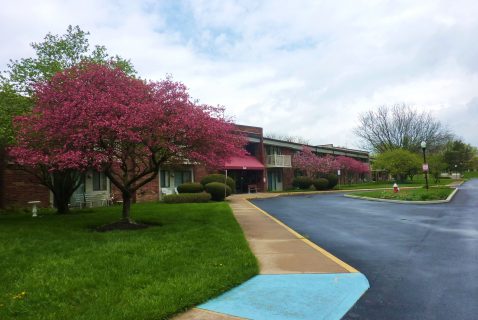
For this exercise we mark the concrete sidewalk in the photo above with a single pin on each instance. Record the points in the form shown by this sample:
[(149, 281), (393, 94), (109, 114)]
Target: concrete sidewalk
[(297, 280)]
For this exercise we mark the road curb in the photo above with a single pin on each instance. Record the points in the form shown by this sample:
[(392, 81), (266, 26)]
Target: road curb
[(448, 199)]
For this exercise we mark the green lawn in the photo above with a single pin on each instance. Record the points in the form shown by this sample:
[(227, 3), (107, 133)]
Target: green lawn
[(417, 182), (422, 194), (56, 267), (470, 175)]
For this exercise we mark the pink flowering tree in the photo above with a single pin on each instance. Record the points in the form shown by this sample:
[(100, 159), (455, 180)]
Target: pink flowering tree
[(351, 166), (327, 164), (312, 165), (93, 116), (306, 161)]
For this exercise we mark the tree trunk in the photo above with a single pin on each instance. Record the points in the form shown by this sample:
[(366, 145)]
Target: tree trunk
[(126, 207), (64, 185), (61, 204)]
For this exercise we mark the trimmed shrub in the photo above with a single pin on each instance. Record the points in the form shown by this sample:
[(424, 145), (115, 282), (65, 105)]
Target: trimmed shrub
[(333, 180), (216, 189), (187, 197), (321, 184), (302, 182), (217, 177), (190, 187)]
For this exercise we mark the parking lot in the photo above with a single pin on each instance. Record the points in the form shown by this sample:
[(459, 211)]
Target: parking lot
[(421, 260)]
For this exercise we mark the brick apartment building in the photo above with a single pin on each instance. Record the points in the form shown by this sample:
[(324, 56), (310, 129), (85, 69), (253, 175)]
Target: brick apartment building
[(268, 167)]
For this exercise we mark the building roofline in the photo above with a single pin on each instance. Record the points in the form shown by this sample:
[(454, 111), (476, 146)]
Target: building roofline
[(296, 145), (245, 125)]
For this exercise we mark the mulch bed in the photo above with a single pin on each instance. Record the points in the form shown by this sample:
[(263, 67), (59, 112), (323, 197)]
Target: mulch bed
[(125, 225)]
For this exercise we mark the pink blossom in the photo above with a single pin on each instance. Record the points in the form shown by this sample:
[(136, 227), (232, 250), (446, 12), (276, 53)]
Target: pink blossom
[(350, 165), (95, 116), (311, 164)]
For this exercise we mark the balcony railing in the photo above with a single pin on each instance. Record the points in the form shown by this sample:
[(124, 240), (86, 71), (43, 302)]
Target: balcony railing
[(280, 161)]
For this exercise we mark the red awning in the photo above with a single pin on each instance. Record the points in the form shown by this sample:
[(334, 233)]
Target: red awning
[(244, 163)]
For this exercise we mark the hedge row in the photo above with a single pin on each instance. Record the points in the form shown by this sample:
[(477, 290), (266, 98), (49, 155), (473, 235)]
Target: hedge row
[(305, 183), (219, 191), (187, 198), (217, 177), (321, 184), (190, 187), (213, 184)]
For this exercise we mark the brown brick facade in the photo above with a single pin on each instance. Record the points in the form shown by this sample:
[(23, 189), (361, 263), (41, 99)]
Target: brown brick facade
[(21, 187)]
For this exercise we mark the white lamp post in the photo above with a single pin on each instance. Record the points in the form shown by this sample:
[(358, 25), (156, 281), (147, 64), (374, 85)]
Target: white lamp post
[(425, 165)]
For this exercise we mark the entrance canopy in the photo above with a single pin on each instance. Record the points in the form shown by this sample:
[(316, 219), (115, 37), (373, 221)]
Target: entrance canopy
[(243, 163)]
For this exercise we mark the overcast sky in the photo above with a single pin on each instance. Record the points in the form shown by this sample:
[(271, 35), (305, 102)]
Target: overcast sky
[(302, 68)]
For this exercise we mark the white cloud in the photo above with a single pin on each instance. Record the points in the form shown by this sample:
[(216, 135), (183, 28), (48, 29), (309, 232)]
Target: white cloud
[(294, 67)]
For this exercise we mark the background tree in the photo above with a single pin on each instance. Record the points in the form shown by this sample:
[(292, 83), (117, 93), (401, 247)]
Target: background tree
[(474, 160), (458, 156), (11, 104), (95, 116), (17, 85), (399, 163), (436, 165), (293, 139), (54, 54), (400, 127)]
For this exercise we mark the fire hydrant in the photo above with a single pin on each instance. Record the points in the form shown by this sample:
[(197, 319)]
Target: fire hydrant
[(395, 188)]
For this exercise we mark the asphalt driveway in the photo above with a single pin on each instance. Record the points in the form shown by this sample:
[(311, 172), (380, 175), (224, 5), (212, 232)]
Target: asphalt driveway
[(421, 260)]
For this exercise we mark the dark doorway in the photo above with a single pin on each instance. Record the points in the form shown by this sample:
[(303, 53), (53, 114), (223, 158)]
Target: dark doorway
[(244, 178)]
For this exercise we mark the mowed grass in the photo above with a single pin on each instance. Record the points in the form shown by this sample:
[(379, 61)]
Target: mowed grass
[(421, 194), (56, 267), (416, 182), (470, 175)]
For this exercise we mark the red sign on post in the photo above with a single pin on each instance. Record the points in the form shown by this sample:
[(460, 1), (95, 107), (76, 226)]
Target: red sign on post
[(425, 167)]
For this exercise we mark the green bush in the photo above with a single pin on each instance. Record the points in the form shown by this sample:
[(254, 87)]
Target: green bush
[(190, 187), (187, 198), (217, 177), (216, 189), (302, 182), (321, 184), (333, 180)]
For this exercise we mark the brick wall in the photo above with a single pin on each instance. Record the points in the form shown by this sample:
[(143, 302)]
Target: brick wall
[(199, 172), (287, 177), (149, 192), (21, 187), (287, 173)]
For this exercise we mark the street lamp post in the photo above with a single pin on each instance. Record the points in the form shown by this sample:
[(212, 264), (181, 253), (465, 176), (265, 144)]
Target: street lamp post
[(425, 165)]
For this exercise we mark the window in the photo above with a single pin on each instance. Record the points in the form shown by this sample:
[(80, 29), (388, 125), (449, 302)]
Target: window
[(164, 179), (181, 177), (99, 181), (272, 150), (252, 149)]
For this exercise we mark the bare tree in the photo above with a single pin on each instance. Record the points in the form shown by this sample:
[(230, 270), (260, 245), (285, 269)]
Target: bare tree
[(293, 139), (400, 126)]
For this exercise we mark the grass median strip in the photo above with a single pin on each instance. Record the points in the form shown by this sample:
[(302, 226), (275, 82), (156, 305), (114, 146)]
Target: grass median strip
[(57, 267), (421, 194)]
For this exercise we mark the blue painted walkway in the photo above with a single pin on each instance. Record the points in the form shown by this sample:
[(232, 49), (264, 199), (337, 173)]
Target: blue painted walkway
[(292, 296)]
